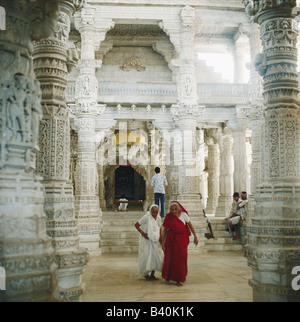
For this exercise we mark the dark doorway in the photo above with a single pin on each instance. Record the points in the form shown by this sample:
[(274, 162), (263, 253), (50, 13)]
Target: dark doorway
[(130, 183), (124, 183)]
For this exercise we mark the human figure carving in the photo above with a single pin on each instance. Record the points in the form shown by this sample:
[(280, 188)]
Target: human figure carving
[(14, 98)]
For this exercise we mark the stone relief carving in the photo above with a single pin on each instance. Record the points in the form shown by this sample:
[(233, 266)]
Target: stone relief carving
[(73, 55), (133, 63), (21, 109), (45, 22)]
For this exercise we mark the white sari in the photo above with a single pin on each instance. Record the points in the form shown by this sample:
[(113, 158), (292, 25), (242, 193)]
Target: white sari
[(150, 252)]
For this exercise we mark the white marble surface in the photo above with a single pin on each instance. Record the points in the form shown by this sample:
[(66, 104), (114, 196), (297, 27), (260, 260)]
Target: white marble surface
[(214, 277)]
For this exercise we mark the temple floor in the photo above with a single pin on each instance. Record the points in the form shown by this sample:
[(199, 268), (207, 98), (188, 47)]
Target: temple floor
[(213, 277)]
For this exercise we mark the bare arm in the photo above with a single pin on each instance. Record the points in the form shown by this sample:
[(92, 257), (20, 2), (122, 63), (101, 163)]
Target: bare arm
[(164, 236), (138, 227), (193, 232)]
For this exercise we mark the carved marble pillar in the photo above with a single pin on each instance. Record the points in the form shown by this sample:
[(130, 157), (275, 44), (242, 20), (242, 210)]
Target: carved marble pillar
[(240, 175), (213, 170), (240, 54), (273, 248), (186, 112), (104, 138), (164, 141), (50, 66), (226, 174), (256, 103), (188, 180), (87, 109), (187, 81), (200, 159), (26, 251)]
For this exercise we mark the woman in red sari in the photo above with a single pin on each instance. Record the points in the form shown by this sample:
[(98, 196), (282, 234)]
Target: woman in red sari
[(177, 229)]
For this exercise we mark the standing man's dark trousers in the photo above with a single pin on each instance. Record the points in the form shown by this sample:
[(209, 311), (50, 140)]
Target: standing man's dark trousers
[(160, 198)]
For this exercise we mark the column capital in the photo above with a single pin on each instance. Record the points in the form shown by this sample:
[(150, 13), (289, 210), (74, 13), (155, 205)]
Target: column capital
[(261, 9), (188, 17), (90, 28), (85, 18), (211, 136)]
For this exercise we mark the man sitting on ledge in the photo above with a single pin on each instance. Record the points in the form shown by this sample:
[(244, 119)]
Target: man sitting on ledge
[(239, 214), (123, 203)]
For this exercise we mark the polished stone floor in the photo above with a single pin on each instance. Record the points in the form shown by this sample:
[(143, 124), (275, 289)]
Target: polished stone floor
[(213, 277)]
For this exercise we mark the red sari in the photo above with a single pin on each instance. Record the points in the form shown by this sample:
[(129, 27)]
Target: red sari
[(177, 241)]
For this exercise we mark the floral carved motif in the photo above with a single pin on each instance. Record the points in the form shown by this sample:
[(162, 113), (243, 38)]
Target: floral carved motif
[(133, 63)]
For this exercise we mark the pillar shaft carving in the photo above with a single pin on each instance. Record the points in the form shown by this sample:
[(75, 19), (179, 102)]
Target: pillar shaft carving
[(188, 181), (187, 83), (200, 160), (213, 170), (50, 65), (241, 50), (226, 174), (86, 176), (273, 247), (241, 175), (256, 104), (26, 251)]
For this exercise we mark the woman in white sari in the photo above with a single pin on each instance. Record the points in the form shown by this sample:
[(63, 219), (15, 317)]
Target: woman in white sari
[(150, 252)]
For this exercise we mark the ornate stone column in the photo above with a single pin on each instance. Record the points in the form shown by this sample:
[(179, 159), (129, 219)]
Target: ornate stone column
[(87, 109), (50, 66), (241, 50), (256, 103), (162, 138), (26, 252), (240, 175), (186, 112), (213, 170), (273, 249), (226, 174), (200, 157), (103, 130)]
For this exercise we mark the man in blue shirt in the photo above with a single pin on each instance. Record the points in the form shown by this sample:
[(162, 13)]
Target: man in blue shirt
[(159, 181)]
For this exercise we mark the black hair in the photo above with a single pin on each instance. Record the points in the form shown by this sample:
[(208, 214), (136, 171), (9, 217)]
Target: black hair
[(236, 194), (157, 170)]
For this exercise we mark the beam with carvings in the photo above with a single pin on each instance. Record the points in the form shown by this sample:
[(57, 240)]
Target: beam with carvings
[(220, 94), (216, 4)]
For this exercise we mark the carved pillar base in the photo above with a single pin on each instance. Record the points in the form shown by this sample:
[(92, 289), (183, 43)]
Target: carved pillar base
[(273, 248), (26, 252), (193, 205), (62, 227), (188, 183), (89, 217), (224, 206)]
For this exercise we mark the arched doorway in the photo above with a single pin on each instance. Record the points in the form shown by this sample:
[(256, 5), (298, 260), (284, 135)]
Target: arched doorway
[(124, 180)]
